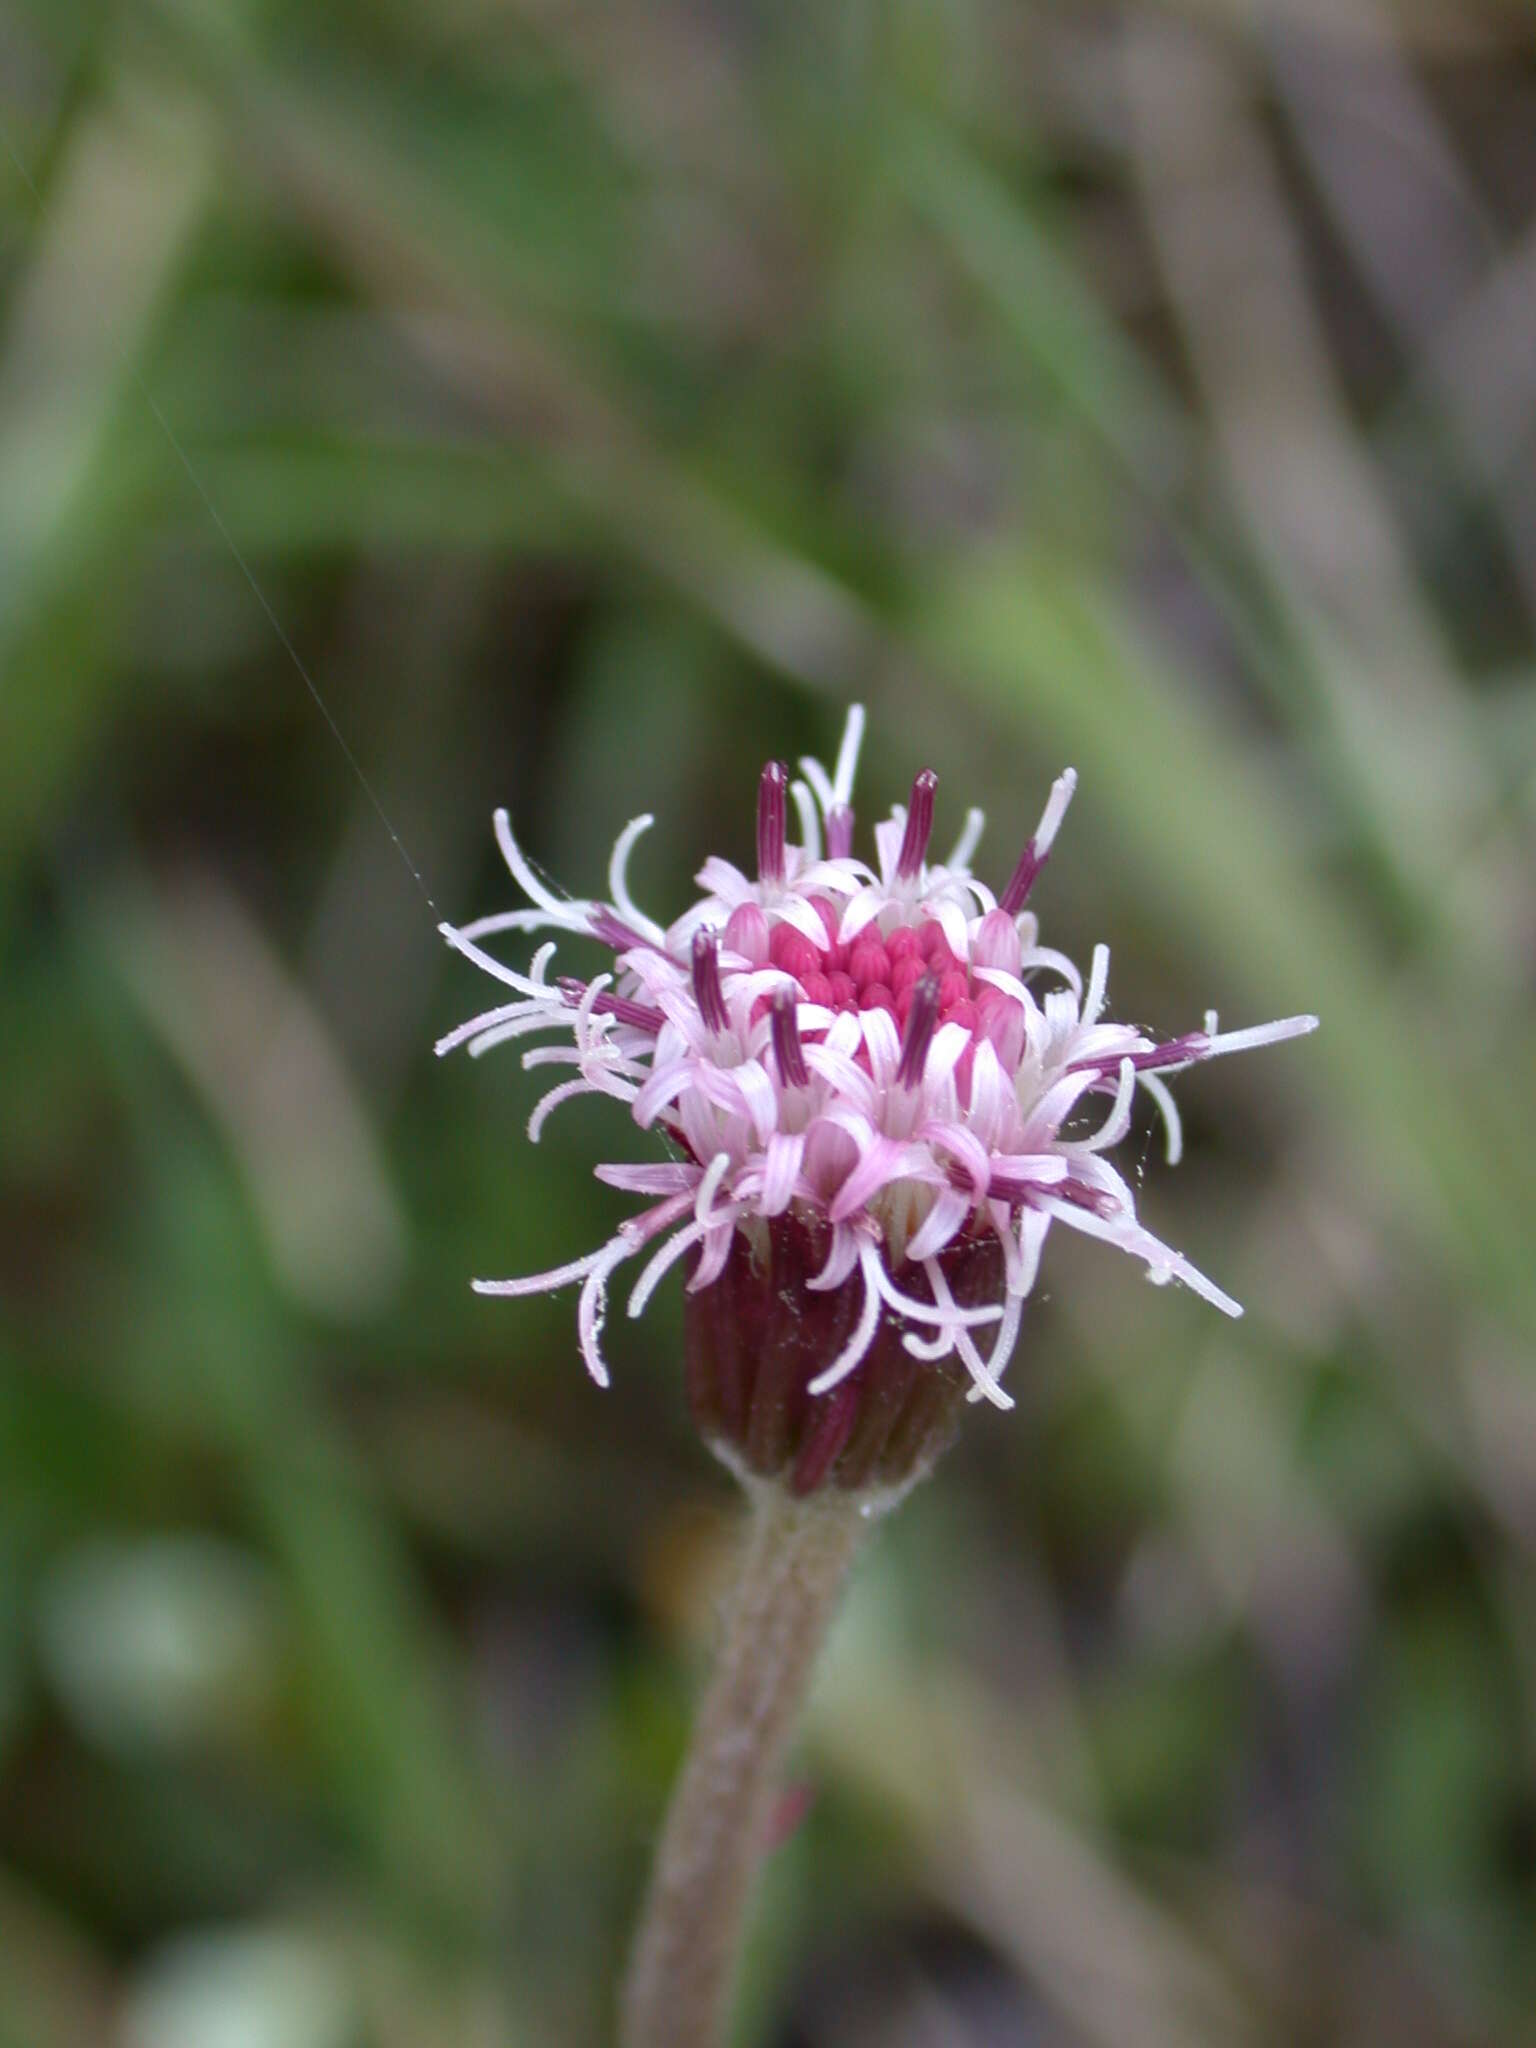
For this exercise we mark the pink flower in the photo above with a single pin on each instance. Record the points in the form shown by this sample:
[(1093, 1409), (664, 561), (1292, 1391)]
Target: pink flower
[(885, 1057)]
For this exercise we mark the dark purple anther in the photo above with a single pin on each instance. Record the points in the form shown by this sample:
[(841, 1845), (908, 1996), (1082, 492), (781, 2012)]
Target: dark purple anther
[(787, 1049), (922, 1020), (1082, 1196), (772, 788), (641, 1015), (1178, 1052), (707, 992), (839, 832), (919, 830), (1016, 895), (610, 928), (1037, 848)]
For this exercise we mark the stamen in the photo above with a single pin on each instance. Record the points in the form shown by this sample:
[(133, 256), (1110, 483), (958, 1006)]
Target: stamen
[(787, 1049), (848, 755), (1082, 1196), (922, 1021), (1016, 895), (707, 992), (1257, 1034), (919, 830), (839, 832), (1203, 1045), (611, 930), (607, 1005), (772, 788), (1176, 1052), (1037, 849)]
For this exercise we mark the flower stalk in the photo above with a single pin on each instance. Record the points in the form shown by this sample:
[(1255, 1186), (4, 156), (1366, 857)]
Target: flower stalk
[(792, 1572)]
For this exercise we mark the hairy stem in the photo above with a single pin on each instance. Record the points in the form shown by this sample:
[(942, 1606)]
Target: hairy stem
[(792, 1571)]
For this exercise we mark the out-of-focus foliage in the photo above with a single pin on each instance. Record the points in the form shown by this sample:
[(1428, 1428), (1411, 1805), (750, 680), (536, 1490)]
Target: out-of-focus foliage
[(602, 396)]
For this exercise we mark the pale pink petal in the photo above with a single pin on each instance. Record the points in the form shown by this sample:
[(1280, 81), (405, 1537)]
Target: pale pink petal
[(842, 1257), (1168, 1109), (1114, 1195), (1054, 1107), (1118, 1122), (945, 1054), (829, 1156), (669, 1178), (1047, 956), (781, 1170), (885, 1161), (704, 1194), (559, 908), (963, 1147), (1259, 1034), (1098, 982), (851, 1357), (795, 910), (488, 1020), (1003, 1227), (987, 1089), (847, 765), (555, 1278), (820, 782), (985, 1375), (889, 834), (590, 1313), (1034, 1228), (861, 912), (884, 1042), (489, 964), (660, 1264), (951, 921), (1163, 1263), (839, 1072), (618, 884), (1032, 1169), (512, 921), (761, 1097), (717, 1249), (942, 1223), (546, 1105), (836, 878), (810, 823), (662, 1089), (970, 838), (721, 879), (924, 1311)]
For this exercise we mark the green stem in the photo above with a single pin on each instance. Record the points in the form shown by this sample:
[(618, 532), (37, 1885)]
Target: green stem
[(792, 1572)]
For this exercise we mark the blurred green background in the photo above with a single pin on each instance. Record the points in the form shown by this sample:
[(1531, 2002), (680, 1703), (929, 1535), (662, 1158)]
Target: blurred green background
[(603, 396)]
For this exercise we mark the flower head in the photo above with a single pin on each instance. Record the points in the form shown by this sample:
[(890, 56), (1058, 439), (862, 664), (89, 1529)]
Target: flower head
[(876, 1086)]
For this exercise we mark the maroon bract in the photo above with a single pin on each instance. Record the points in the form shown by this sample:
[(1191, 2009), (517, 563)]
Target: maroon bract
[(758, 1337)]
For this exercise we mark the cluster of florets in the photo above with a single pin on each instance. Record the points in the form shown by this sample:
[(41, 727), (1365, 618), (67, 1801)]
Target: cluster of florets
[(884, 1055)]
